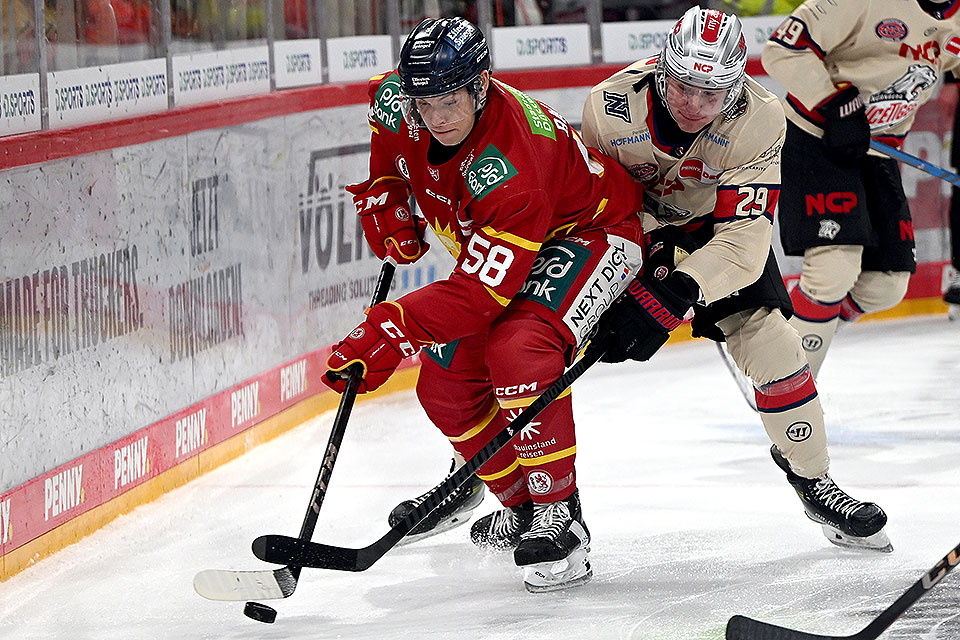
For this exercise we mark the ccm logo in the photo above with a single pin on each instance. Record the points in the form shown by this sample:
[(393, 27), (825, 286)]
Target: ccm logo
[(839, 202), (706, 68)]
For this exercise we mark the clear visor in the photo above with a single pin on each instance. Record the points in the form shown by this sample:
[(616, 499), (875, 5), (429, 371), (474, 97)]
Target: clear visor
[(446, 109), (692, 102)]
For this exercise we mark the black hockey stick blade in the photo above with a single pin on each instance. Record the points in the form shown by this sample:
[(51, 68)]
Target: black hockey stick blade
[(743, 628), (301, 553)]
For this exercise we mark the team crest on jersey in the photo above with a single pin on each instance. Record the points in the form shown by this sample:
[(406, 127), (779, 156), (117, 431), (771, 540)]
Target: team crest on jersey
[(891, 30), (616, 105), (488, 171), (539, 482), (646, 172), (434, 173), (898, 102)]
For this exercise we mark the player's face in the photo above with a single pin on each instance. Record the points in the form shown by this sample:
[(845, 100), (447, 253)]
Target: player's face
[(692, 107), (449, 118)]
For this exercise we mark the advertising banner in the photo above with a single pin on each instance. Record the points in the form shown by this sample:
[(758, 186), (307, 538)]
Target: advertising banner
[(359, 57), (553, 45), (99, 94), (19, 104), (215, 75), (297, 62)]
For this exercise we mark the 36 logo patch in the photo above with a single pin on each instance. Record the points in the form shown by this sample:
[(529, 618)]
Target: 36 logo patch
[(488, 171)]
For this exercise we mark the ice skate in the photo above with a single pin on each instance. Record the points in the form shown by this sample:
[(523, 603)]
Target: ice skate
[(501, 530), (553, 553), (952, 296), (454, 511), (846, 522)]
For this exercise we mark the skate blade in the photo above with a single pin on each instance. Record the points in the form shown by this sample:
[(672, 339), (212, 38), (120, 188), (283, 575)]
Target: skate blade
[(448, 524), (878, 542), (953, 311), (572, 571)]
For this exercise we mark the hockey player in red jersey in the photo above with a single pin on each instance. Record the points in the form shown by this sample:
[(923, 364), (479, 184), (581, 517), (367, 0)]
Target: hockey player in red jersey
[(852, 70), (545, 236), (705, 140)]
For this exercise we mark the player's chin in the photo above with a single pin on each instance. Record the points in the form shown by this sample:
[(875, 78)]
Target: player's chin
[(692, 124), (447, 137)]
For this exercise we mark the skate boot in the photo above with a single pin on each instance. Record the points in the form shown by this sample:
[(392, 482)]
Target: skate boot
[(846, 522), (952, 296), (454, 511), (501, 530), (553, 553)]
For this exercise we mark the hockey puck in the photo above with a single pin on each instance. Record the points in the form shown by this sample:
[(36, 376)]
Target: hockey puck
[(260, 612)]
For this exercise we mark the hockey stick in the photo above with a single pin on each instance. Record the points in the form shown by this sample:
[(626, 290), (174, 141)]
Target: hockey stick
[(915, 162), (744, 384), (303, 553), (743, 628), (215, 584)]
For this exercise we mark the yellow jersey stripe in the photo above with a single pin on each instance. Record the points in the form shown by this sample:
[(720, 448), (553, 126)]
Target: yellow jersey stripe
[(512, 239), (500, 474), (469, 433), (559, 455), (600, 208), (500, 299)]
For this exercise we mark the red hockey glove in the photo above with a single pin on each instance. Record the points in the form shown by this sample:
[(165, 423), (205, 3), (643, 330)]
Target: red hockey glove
[(386, 219), (846, 132), (378, 344)]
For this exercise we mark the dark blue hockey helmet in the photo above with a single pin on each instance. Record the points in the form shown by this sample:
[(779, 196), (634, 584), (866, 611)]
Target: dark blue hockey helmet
[(441, 56)]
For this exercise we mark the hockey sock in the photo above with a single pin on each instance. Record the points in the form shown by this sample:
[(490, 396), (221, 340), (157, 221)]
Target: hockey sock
[(793, 418), (816, 322)]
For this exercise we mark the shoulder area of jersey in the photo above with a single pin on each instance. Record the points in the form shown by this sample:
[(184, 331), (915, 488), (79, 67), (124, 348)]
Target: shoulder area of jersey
[(624, 79)]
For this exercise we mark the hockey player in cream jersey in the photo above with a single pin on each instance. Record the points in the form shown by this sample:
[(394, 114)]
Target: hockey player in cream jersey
[(704, 138), (853, 69)]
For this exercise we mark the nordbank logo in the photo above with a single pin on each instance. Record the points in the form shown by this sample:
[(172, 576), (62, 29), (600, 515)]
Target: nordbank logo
[(386, 104), (488, 171)]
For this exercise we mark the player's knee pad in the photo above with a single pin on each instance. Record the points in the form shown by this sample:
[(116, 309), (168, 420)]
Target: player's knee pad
[(879, 290), (830, 272), (763, 344)]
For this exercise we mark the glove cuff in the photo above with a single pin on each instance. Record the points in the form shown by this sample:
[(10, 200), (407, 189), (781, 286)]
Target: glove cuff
[(842, 104)]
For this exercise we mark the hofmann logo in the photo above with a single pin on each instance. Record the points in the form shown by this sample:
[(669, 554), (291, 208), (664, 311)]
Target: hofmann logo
[(488, 171)]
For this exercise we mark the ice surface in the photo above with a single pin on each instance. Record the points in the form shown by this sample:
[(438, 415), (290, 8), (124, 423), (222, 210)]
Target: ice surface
[(691, 520)]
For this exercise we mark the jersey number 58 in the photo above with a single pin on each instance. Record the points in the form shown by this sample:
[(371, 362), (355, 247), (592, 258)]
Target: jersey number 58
[(489, 261)]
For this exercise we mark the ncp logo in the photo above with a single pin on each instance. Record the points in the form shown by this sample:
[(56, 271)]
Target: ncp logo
[(819, 204)]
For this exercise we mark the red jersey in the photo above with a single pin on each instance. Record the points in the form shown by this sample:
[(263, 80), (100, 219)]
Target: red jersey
[(520, 178)]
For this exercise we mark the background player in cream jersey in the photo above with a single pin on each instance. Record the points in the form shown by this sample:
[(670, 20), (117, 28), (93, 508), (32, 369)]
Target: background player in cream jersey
[(704, 138), (853, 69)]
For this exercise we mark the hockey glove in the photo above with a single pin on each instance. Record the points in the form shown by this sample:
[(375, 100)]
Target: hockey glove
[(642, 318), (386, 219), (846, 132), (378, 344)]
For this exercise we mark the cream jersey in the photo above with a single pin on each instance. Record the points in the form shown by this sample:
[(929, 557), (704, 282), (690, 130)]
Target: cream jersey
[(728, 176), (891, 50)]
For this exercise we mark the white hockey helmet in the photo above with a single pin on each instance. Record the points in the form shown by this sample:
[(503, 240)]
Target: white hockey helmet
[(706, 49)]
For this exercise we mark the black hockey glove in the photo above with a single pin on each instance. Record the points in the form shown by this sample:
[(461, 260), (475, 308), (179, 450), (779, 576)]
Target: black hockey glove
[(846, 132), (642, 318)]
